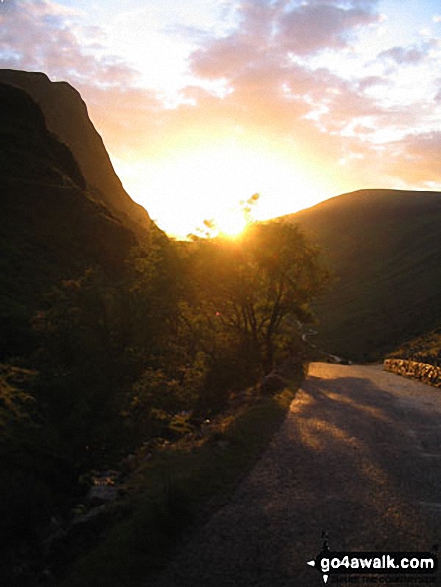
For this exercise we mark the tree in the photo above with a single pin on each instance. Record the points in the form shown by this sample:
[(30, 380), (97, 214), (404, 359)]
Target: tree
[(152, 293), (80, 331), (259, 286)]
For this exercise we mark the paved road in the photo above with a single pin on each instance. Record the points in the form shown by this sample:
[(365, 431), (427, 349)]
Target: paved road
[(358, 456)]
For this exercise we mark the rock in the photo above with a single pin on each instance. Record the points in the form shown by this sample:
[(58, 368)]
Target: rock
[(53, 538), (129, 463), (101, 494), (271, 383), (223, 444), (93, 513), (427, 373)]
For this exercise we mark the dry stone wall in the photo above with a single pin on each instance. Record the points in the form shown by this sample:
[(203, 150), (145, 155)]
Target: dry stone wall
[(427, 373)]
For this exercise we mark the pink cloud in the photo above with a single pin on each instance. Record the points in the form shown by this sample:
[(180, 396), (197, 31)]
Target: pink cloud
[(421, 152), (371, 81), (223, 58), (403, 55), (270, 94), (411, 162), (255, 62), (316, 26), (37, 35)]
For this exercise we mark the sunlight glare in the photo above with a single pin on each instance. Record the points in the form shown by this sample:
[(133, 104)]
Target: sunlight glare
[(232, 223), (183, 190)]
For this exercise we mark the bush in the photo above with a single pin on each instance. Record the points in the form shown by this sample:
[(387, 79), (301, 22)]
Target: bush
[(25, 506)]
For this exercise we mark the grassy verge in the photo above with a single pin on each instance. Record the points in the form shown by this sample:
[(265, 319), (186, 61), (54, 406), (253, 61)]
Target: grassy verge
[(177, 489)]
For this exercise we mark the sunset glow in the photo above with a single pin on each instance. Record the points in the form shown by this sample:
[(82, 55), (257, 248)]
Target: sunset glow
[(210, 184), (232, 226), (200, 106)]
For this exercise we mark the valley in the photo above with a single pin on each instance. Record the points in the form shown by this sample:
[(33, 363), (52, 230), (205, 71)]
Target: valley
[(177, 362)]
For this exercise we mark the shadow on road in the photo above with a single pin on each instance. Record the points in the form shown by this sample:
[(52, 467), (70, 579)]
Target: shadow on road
[(345, 462)]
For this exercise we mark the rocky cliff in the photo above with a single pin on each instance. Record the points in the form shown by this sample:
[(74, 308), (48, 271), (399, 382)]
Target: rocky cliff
[(66, 116), (51, 225)]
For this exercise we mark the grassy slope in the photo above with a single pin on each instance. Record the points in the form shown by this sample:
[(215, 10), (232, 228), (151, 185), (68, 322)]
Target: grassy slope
[(385, 248), (424, 349), (179, 488)]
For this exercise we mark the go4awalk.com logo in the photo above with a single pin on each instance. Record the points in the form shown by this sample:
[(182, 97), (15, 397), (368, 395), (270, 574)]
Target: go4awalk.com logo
[(373, 563)]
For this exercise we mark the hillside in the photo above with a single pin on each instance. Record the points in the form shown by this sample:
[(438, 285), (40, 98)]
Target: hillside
[(109, 352), (385, 248), (67, 117), (424, 349), (51, 226)]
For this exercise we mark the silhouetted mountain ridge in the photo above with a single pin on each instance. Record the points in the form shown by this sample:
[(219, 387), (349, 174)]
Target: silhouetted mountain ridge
[(28, 150), (51, 227), (66, 116)]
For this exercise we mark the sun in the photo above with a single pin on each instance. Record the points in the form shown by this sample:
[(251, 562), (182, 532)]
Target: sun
[(232, 223), (190, 185)]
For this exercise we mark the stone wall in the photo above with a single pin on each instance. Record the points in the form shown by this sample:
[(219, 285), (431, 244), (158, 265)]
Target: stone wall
[(427, 373)]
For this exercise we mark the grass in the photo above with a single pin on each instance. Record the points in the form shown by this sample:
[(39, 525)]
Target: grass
[(179, 488), (424, 349), (384, 247)]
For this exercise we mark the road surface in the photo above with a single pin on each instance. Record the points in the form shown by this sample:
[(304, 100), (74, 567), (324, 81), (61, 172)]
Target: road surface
[(358, 456)]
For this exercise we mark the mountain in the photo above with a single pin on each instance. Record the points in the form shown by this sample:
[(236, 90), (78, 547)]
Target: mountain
[(384, 247), (67, 117), (51, 225)]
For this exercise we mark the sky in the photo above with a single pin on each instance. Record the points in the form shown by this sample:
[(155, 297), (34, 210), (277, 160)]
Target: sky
[(202, 104)]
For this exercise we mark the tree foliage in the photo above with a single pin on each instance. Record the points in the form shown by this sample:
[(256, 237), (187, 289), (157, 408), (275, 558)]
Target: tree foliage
[(257, 288), (149, 353)]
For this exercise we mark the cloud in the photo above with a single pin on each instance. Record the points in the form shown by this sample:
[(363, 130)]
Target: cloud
[(256, 62), (403, 55), (412, 55), (411, 162), (313, 27), (260, 77), (264, 92), (224, 58), (371, 81), (267, 27), (39, 35), (421, 154)]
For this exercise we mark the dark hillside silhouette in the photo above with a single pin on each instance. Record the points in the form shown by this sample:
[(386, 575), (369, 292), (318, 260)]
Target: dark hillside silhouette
[(67, 117), (385, 249), (65, 323), (51, 227)]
